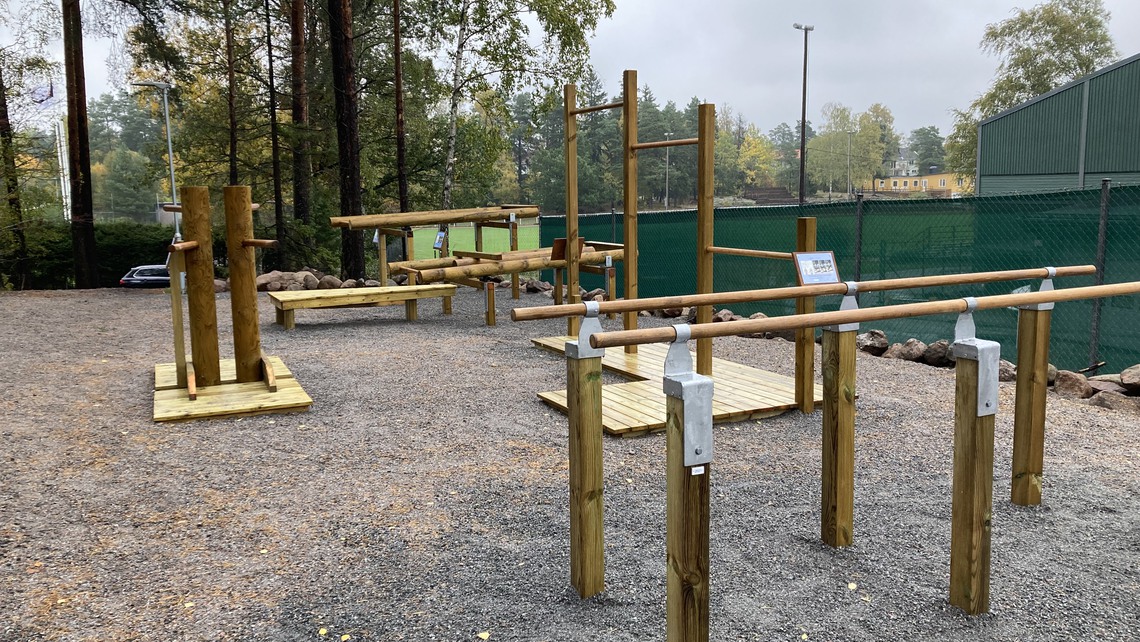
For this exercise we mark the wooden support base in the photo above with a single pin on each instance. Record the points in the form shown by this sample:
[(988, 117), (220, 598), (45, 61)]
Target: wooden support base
[(587, 547), (686, 536), (280, 393), (1029, 407), (838, 479), (973, 495)]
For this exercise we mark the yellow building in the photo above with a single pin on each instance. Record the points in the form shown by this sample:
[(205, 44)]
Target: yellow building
[(934, 185)]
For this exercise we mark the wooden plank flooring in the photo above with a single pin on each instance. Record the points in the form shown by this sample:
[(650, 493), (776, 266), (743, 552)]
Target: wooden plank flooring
[(636, 407), (228, 399)]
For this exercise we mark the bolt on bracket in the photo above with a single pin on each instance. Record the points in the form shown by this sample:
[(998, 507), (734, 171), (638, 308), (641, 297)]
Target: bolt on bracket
[(849, 303), (1046, 286), (581, 348), (986, 353), (696, 393)]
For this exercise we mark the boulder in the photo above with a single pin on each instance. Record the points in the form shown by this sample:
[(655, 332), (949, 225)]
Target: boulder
[(328, 282), (1072, 385), (1114, 378), (400, 279), (221, 286), (1051, 373), (534, 286), (672, 313), (726, 315), (938, 354), (274, 286), (1006, 371), (1107, 386), (371, 283), (496, 278), (350, 283), (912, 350), (502, 285), (263, 280), (315, 272), (597, 294), (1116, 401), (1130, 378), (308, 280), (873, 342), (548, 294), (295, 287)]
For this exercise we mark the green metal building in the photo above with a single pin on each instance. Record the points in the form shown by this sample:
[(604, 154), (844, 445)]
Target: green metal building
[(1069, 138)]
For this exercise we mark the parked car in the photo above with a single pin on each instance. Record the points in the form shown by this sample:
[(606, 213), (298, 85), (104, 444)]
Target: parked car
[(146, 276)]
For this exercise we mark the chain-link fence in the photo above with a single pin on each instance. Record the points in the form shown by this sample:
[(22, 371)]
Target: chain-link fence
[(882, 239)]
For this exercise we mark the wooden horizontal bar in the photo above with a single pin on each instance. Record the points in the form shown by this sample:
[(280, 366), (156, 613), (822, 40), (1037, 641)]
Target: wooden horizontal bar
[(758, 254), (816, 319), (587, 110), (485, 256), (171, 208), (502, 225), (471, 283), (393, 231), (775, 294), (512, 266), (183, 246), (665, 143), (262, 243), (594, 269), (602, 246), (432, 217)]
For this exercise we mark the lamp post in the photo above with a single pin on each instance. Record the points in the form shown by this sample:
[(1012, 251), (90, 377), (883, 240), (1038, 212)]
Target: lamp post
[(165, 87), (803, 112), (667, 135), (850, 186)]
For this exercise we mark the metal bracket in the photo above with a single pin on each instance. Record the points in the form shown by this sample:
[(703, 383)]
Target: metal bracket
[(609, 261), (849, 303), (1046, 286), (512, 217), (696, 393), (581, 349), (986, 353)]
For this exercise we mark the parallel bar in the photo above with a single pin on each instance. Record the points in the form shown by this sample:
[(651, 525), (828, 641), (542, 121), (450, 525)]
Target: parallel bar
[(773, 294), (677, 142), (593, 108), (865, 315), (759, 254)]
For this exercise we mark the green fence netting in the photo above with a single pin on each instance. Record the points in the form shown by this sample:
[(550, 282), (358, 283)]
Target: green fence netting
[(902, 238)]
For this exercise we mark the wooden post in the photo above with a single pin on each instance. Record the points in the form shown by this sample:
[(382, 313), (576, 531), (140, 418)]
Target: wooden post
[(805, 337), (1029, 407), (514, 231), (629, 195), (972, 494), (489, 286), (176, 267), (706, 135), (570, 103), (611, 288), (558, 288), (411, 310), (686, 536), (382, 259), (203, 311), (838, 496), (584, 412), (478, 236), (243, 286)]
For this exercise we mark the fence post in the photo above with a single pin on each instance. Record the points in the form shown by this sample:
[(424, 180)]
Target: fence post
[(975, 404), (837, 499), (1101, 243), (1029, 406), (805, 337), (858, 276), (584, 414), (688, 452)]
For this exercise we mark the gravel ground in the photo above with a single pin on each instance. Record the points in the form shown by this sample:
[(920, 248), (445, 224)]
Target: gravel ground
[(424, 497)]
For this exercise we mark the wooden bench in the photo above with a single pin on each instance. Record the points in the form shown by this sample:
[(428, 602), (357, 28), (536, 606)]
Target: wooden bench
[(287, 302)]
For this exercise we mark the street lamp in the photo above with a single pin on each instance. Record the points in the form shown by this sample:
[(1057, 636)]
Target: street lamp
[(850, 186), (667, 135), (165, 87), (803, 111)]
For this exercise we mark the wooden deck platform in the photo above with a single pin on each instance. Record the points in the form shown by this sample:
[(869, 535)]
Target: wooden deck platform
[(634, 408), (229, 399)]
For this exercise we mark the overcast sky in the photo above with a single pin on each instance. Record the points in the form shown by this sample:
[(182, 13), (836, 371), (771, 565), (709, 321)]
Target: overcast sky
[(920, 59)]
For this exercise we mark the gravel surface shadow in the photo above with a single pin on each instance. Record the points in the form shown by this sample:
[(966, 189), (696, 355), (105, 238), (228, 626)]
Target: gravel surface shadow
[(424, 496)]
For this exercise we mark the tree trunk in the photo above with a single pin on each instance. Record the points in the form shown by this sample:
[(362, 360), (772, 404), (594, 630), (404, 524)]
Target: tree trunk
[(401, 139), (231, 90), (79, 151), (280, 255), (347, 133), (453, 113), (302, 172), (12, 186)]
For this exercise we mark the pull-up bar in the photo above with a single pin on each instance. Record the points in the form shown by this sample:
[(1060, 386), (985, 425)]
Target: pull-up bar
[(666, 143), (755, 254), (773, 294), (587, 110), (840, 317)]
